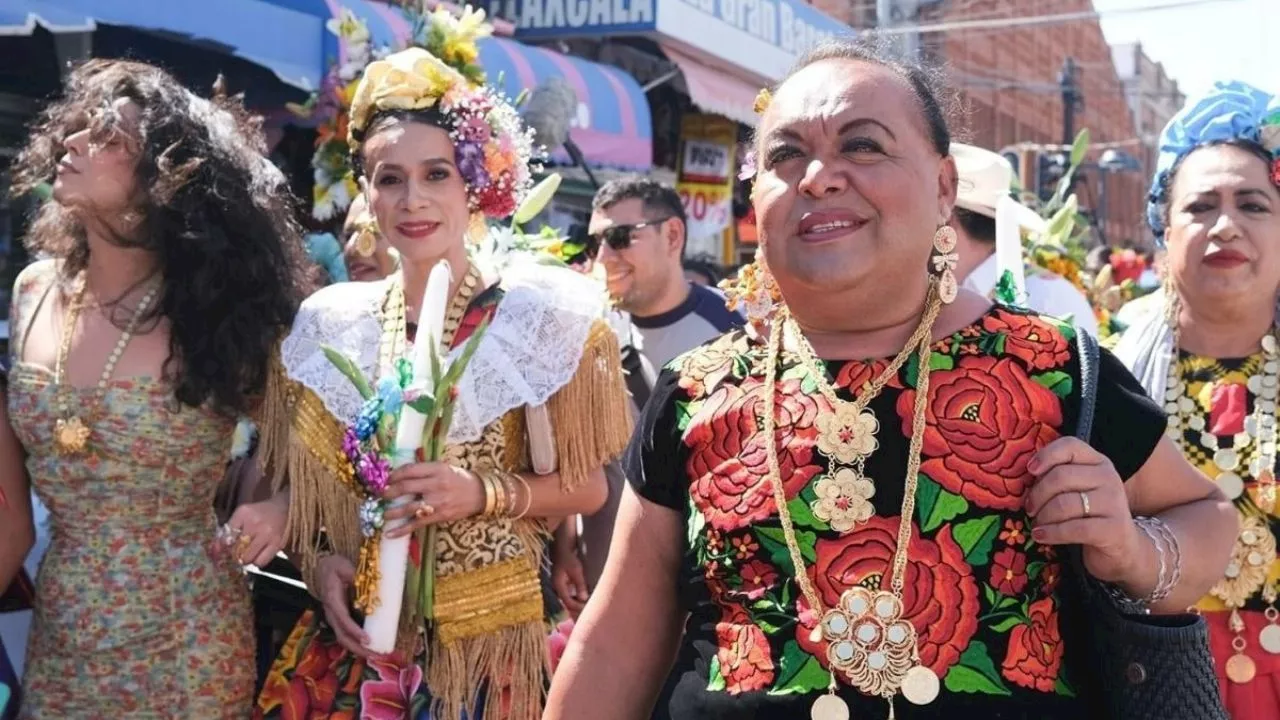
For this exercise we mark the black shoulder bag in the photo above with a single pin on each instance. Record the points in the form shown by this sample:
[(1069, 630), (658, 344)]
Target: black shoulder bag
[(1132, 666)]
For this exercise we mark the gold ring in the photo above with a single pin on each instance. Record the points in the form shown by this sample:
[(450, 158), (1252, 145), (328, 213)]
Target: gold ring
[(1084, 502), (423, 510)]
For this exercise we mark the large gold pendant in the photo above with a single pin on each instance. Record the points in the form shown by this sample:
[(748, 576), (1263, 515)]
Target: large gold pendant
[(1251, 559), (844, 499), (70, 436), (869, 642), (846, 434), (1241, 669)]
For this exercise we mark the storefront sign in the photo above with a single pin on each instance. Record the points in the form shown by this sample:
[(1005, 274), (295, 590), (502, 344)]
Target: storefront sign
[(762, 37), (705, 181)]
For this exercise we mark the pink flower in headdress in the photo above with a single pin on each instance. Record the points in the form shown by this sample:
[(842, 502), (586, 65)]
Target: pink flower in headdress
[(1275, 171)]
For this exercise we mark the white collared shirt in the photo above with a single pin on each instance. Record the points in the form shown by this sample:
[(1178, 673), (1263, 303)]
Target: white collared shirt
[(1047, 294)]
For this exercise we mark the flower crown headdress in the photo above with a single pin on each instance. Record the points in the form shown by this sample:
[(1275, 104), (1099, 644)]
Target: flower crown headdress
[(1232, 110), (496, 155)]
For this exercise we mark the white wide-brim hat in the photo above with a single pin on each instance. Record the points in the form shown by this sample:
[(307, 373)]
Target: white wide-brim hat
[(985, 177)]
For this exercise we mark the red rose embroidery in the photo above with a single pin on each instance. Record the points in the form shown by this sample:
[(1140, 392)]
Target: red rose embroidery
[(940, 595), (855, 373), (986, 421), (727, 462), (1030, 339), (1009, 571), (746, 662), (1035, 650)]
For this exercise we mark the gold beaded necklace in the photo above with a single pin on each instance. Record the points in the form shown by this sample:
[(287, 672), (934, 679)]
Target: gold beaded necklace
[(71, 431), (395, 323), (867, 638)]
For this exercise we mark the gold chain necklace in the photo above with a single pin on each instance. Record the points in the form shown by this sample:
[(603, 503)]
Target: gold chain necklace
[(847, 433), (867, 638), (70, 431), (394, 313)]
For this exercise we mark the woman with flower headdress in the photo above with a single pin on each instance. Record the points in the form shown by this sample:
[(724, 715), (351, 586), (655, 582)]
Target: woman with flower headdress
[(540, 408), (868, 508), (1211, 356)]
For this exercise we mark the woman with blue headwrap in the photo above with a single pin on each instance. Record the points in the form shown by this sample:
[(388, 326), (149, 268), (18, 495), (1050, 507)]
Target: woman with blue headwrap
[(1212, 357)]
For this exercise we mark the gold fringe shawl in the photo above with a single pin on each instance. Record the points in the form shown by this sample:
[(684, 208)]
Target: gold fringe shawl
[(591, 415)]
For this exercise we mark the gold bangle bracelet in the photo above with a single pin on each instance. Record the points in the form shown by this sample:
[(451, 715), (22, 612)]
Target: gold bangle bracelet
[(501, 496), (528, 497), (490, 496), (512, 498)]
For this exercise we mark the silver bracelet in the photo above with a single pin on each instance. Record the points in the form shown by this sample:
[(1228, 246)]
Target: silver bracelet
[(1169, 552)]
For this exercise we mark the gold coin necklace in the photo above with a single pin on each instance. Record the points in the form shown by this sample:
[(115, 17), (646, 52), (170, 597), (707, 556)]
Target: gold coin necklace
[(868, 640), (846, 434), (1255, 548), (71, 432)]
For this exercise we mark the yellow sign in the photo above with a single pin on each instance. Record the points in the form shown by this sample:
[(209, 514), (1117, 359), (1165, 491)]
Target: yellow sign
[(705, 182)]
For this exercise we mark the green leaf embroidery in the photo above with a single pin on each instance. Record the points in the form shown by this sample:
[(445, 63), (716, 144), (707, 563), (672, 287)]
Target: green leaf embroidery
[(938, 361), (768, 627), (936, 505), (1007, 624), (802, 515), (1034, 569), (682, 414), (976, 537), (799, 672), (1059, 382), (775, 542), (741, 366), (716, 683), (808, 385), (976, 673), (990, 594), (1006, 602), (1062, 687), (697, 522)]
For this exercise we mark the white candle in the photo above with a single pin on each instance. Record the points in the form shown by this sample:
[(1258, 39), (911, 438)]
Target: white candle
[(393, 555), (1009, 244)]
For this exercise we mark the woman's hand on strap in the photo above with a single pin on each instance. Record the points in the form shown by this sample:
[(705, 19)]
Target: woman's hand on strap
[(1077, 498), (438, 493)]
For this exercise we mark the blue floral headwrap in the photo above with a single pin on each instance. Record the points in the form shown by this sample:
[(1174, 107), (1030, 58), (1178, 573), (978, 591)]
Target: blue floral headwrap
[(1232, 110)]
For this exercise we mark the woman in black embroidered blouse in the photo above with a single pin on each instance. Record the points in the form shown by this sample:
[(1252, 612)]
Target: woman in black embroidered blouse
[(959, 449)]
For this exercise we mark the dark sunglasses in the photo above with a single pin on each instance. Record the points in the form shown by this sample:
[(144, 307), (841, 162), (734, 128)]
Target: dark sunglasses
[(618, 237)]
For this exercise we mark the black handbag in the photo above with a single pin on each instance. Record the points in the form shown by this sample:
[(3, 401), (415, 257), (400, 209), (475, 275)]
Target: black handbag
[(1131, 666)]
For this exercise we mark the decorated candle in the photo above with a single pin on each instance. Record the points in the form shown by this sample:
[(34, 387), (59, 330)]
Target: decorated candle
[(393, 557)]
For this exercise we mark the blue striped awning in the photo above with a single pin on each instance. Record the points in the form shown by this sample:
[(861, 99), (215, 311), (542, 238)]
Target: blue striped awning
[(290, 38)]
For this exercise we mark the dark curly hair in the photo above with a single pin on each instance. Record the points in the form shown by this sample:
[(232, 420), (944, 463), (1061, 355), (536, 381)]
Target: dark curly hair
[(215, 213)]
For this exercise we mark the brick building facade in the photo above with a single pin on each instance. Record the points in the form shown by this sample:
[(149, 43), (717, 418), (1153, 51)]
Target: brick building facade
[(1008, 92)]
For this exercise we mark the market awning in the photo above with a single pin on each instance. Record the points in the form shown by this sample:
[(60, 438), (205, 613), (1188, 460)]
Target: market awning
[(715, 90), (272, 33), (612, 126)]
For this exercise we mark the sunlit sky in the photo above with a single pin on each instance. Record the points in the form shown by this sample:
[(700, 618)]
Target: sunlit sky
[(1198, 45)]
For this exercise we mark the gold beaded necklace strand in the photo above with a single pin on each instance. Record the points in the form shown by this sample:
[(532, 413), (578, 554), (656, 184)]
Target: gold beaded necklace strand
[(867, 638), (71, 432)]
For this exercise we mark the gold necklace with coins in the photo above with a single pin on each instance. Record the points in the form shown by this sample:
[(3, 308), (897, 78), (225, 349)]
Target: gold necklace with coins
[(71, 431), (1254, 551), (868, 640), (846, 433)]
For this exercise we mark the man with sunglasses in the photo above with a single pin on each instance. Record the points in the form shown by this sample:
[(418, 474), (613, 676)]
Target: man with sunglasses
[(638, 234)]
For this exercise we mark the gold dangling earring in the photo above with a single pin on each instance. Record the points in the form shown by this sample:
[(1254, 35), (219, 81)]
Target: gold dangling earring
[(366, 239), (753, 292), (945, 259), (477, 228)]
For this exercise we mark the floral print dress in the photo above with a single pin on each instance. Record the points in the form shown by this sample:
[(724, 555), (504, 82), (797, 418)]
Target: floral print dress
[(982, 595), (138, 613)]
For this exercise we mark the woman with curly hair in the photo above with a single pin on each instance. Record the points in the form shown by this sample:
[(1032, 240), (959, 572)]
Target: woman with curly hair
[(174, 268)]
